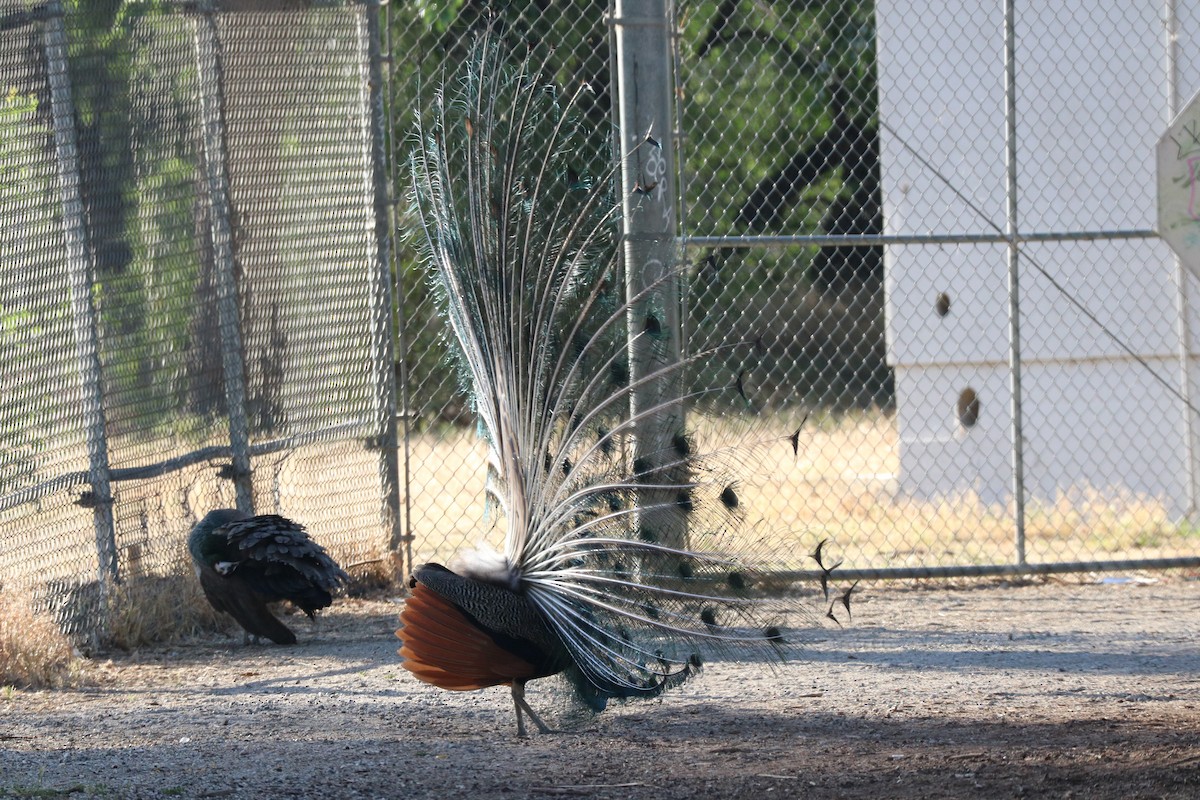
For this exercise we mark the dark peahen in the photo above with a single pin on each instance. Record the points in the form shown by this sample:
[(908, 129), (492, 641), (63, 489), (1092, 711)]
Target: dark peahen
[(628, 551), (246, 562)]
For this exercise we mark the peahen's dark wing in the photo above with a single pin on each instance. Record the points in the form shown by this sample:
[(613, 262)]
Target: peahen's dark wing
[(245, 562), (278, 559)]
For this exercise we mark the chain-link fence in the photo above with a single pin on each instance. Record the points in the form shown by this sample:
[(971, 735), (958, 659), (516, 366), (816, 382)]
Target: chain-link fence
[(934, 222), (939, 217), (844, 204), (194, 290)]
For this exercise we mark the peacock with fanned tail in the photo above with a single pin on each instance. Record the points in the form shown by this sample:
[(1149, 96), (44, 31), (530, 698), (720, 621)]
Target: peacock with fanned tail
[(629, 555)]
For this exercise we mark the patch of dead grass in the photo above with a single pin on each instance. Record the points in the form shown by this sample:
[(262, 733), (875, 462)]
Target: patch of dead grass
[(153, 609), (34, 653), (840, 483), (149, 609), (372, 577)]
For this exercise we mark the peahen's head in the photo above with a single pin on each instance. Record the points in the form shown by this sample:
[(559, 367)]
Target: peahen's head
[(202, 545)]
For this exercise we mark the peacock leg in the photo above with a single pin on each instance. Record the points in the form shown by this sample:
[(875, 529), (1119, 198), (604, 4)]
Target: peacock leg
[(518, 694)]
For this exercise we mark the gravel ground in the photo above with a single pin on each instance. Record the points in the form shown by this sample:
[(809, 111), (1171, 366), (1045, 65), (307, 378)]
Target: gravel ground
[(1053, 689)]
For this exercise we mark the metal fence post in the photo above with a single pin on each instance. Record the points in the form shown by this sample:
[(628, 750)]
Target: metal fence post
[(1014, 267), (208, 65), (383, 355), (82, 309), (402, 535), (643, 33)]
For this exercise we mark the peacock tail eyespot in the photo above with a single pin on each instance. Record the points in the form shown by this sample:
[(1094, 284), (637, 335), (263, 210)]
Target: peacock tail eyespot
[(618, 373), (729, 497), (652, 326), (579, 343), (577, 182)]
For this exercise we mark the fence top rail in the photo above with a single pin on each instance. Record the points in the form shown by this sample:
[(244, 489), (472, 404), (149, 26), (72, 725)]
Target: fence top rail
[(861, 240)]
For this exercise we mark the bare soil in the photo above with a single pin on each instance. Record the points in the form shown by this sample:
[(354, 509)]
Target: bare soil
[(1086, 688)]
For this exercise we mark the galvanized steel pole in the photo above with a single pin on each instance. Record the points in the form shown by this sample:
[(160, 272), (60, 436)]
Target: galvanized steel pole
[(642, 38), (217, 181), (83, 311), (383, 350), (1182, 276), (1011, 228)]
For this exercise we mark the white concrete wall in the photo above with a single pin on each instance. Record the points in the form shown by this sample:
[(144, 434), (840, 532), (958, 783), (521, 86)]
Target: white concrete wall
[(1091, 104)]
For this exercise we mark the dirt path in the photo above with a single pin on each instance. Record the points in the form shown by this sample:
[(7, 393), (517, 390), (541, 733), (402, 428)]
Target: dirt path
[(1062, 689)]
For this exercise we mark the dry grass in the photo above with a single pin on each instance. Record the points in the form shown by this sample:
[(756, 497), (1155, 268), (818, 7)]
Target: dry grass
[(143, 610), (148, 609), (372, 577), (33, 652), (839, 485)]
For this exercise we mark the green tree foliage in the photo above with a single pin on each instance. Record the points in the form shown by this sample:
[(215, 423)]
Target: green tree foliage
[(429, 40), (779, 111), (138, 175)]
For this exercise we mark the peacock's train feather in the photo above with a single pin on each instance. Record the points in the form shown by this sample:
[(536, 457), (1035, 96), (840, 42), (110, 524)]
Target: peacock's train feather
[(626, 564)]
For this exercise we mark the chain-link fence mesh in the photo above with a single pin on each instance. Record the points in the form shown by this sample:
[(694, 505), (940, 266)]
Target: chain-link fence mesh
[(844, 204), (819, 141), (1105, 457), (194, 297), (806, 121)]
